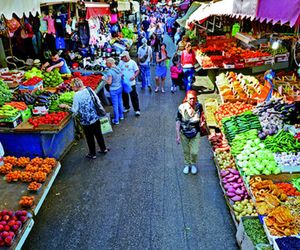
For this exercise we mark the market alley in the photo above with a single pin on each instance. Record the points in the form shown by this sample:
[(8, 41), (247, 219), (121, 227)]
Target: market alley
[(136, 196)]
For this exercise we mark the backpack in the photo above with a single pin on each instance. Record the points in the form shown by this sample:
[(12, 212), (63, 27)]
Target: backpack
[(145, 57)]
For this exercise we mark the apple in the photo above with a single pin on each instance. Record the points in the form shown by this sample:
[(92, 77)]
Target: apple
[(11, 223), (6, 227), (10, 213), (4, 234), (3, 222), (1, 228), (6, 217), (8, 240), (15, 228)]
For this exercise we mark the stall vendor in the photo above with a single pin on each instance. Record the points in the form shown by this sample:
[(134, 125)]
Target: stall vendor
[(57, 62)]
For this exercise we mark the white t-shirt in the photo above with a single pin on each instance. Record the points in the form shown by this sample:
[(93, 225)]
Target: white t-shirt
[(128, 70), (142, 51)]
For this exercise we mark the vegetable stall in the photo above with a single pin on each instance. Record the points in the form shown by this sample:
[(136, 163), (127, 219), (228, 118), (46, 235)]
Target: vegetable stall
[(256, 152), (35, 132)]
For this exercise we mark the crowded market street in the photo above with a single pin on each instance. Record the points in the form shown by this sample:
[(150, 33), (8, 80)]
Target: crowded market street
[(136, 196)]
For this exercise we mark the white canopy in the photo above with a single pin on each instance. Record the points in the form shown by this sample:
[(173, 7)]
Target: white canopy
[(224, 7), (8, 7)]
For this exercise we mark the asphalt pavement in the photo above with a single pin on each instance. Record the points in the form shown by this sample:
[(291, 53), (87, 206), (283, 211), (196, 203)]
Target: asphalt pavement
[(136, 196)]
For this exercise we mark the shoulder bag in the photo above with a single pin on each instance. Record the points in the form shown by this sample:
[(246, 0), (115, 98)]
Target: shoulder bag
[(145, 57), (188, 130), (99, 108)]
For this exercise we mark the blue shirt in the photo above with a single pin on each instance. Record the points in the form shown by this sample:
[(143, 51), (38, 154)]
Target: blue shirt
[(116, 75), (83, 105), (63, 69)]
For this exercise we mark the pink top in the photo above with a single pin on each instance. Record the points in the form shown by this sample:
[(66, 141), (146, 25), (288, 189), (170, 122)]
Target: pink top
[(188, 59), (175, 71), (51, 27)]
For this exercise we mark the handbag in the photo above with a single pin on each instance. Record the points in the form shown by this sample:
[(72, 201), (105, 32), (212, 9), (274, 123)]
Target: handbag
[(188, 130), (126, 86), (99, 108), (204, 131)]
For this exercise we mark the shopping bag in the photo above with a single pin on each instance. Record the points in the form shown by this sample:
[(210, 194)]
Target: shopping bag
[(105, 124), (126, 86)]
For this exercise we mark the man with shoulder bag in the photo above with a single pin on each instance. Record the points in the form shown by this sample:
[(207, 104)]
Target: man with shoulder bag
[(144, 59)]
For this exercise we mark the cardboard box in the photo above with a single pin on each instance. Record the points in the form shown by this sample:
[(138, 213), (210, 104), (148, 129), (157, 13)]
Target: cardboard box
[(7, 123), (33, 88)]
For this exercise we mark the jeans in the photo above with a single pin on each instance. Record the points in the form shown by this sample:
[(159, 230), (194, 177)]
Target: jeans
[(188, 74), (117, 103), (91, 131), (134, 99), (37, 42), (145, 74), (154, 57), (190, 148)]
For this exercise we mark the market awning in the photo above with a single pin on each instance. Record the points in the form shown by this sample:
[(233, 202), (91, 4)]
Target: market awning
[(96, 9), (282, 11), (245, 8), (224, 7), (191, 10), (8, 7), (53, 2)]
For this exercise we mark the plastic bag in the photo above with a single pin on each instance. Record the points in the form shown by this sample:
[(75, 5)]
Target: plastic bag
[(1, 154)]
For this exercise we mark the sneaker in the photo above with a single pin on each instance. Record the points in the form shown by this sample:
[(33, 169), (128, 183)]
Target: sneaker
[(121, 118), (126, 110), (115, 123), (150, 89), (194, 169), (137, 113), (186, 169), (162, 90), (156, 89), (91, 156)]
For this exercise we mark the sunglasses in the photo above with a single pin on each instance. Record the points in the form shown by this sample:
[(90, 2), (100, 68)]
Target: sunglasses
[(192, 98)]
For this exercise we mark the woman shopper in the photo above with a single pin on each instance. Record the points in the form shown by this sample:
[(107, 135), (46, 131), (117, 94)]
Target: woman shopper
[(161, 68), (113, 78), (188, 122), (84, 106), (155, 45), (188, 60)]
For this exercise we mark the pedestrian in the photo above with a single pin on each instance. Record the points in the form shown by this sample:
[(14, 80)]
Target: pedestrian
[(188, 60), (177, 36), (144, 59), (161, 68), (146, 25), (113, 78), (188, 122), (155, 44), (130, 72), (159, 32), (175, 70), (84, 106)]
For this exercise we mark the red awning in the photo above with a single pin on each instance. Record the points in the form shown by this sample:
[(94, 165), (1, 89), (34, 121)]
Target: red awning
[(95, 11)]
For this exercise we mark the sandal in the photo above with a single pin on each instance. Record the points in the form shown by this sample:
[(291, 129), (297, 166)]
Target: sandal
[(91, 156), (105, 151)]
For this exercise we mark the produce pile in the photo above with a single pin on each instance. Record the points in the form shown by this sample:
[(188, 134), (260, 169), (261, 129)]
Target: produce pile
[(225, 160), (52, 78), (296, 183), (54, 118), (219, 142), (290, 160), (256, 160), (64, 98), (33, 72), (231, 109), (234, 185), (238, 124), (272, 115), (255, 231), (5, 94), (283, 141), (7, 111), (10, 225), (91, 81), (32, 81), (244, 208), (240, 140)]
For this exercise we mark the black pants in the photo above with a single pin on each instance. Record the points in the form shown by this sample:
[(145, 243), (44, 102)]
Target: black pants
[(134, 99), (91, 131)]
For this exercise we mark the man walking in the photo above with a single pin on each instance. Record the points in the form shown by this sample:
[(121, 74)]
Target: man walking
[(130, 71), (144, 59)]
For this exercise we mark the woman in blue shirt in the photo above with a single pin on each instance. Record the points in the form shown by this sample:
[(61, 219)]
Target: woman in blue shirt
[(84, 106)]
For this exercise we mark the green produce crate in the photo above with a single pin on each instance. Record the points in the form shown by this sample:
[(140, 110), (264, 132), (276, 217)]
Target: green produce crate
[(26, 114), (11, 122)]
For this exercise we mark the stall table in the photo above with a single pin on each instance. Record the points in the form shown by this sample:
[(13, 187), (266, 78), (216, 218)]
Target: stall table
[(42, 141)]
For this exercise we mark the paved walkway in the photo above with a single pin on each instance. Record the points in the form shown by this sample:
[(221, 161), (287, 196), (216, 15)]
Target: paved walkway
[(136, 196)]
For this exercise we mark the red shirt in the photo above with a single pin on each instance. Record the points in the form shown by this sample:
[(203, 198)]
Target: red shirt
[(188, 58)]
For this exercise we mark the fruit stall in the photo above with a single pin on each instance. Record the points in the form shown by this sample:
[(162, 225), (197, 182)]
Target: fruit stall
[(257, 156), (23, 189), (31, 121)]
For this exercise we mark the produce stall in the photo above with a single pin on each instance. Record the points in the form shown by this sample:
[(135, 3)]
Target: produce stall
[(31, 121), (23, 189), (257, 157)]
